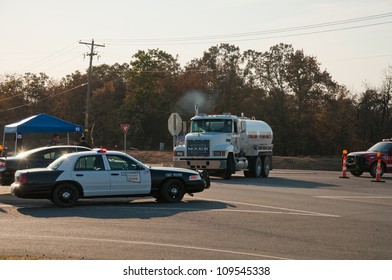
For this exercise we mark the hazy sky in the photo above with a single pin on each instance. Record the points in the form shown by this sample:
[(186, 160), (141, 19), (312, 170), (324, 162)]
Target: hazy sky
[(352, 39)]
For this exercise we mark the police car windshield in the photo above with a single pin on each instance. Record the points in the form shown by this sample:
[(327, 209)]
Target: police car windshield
[(382, 147), (211, 125)]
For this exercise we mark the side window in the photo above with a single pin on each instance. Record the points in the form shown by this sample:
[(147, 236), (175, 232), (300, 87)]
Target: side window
[(241, 127), (52, 154), (121, 163), (49, 155), (90, 163)]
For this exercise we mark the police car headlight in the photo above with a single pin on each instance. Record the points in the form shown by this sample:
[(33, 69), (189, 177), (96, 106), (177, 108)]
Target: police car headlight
[(194, 177), (219, 153), (179, 153)]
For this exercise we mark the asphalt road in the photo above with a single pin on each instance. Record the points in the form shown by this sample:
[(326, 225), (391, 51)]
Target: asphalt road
[(293, 214)]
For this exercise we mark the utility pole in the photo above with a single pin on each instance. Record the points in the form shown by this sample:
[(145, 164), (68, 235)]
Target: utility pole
[(90, 72)]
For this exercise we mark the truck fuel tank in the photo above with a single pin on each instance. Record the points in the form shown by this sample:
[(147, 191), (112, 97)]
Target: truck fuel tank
[(256, 132)]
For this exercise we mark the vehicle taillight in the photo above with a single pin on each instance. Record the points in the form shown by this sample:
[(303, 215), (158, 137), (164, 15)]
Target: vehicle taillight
[(2, 164), (23, 178)]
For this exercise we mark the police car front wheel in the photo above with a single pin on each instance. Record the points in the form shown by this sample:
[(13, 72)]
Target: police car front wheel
[(172, 190)]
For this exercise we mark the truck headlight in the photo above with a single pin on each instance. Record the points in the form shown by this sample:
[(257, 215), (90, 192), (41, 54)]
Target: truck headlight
[(179, 153), (219, 153)]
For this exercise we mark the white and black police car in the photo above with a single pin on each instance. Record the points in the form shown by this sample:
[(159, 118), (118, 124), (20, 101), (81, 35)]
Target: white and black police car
[(101, 173)]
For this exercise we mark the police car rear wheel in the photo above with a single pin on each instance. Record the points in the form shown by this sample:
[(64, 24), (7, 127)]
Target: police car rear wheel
[(172, 191), (65, 195)]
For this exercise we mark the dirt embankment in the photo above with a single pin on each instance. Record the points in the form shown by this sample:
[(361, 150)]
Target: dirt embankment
[(306, 162)]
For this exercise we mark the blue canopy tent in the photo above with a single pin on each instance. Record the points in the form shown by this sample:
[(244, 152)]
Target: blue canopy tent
[(42, 123)]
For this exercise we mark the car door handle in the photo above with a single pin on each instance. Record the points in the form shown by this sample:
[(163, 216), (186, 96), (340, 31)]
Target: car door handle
[(115, 174), (79, 175)]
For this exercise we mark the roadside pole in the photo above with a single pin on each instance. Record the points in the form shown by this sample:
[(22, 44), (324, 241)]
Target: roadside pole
[(125, 129), (174, 124)]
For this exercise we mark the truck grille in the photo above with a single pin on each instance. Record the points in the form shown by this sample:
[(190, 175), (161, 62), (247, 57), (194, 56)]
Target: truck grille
[(351, 159), (199, 148)]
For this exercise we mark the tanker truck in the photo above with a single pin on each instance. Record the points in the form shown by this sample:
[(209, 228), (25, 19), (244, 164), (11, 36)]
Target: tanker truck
[(224, 144)]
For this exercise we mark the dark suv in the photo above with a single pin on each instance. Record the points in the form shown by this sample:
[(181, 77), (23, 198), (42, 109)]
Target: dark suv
[(359, 162), (39, 157)]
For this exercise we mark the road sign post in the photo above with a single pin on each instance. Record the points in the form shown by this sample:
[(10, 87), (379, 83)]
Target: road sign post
[(125, 128), (174, 124)]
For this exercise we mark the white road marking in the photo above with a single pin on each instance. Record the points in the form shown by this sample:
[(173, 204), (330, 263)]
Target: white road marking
[(143, 243), (364, 199), (229, 210), (295, 211)]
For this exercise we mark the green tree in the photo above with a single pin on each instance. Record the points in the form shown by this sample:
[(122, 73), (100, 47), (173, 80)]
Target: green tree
[(107, 98), (151, 92), (224, 77)]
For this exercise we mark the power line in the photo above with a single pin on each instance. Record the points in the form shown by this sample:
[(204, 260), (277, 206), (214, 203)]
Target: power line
[(39, 100), (247, 36), (50, 57)]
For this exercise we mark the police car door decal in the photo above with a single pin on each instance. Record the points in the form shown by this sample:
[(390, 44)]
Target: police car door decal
[(126, 177), (133, 177)]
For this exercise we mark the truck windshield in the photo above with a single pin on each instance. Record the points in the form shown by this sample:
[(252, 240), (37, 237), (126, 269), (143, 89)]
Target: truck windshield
[(382, 147), (213, 125)]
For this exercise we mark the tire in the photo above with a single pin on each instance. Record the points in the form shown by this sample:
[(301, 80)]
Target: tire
[(356, 173), (172, 191), (373, 169), (255, 168), (266, 161), (229, 167), (248, 173), (65, 195), (258, 167)]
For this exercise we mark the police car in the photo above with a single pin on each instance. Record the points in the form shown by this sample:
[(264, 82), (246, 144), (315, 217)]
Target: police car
[(102, 173)]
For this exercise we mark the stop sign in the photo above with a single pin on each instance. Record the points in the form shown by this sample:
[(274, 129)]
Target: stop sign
[(174, 124)]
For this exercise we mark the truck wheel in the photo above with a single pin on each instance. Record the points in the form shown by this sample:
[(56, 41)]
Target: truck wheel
[(229, 167), (356, 173), (258, 167), (266, 166), (254, 168), (65, 195), (172, 190), (373, 169), (248, 173)]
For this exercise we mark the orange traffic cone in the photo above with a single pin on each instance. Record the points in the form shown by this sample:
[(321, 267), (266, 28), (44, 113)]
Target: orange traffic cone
[(378, 173), (344, 166)]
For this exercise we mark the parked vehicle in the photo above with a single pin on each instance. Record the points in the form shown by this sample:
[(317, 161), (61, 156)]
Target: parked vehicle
[(101, 173), (224, 144), (366, 161), (39, 157)]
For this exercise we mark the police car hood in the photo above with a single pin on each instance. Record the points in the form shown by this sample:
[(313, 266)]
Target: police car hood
[(174, 169)]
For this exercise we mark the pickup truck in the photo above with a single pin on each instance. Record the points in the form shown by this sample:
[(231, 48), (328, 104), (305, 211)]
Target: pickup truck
[(366, 161)]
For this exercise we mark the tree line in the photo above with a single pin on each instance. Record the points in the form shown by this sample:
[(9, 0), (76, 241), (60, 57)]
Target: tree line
[(309, 112)]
